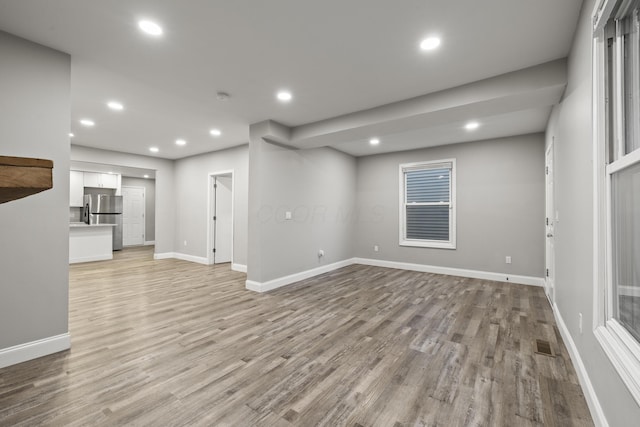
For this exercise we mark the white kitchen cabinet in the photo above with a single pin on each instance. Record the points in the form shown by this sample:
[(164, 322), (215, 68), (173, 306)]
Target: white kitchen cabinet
[(76, 189), (92, 179), (100, 180), (109, 180)]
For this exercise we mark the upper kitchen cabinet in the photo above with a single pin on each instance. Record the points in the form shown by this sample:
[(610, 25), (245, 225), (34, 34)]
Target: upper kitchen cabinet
[(109, 181), (78, 180), (92, 179), (100, 180), (76, 189)]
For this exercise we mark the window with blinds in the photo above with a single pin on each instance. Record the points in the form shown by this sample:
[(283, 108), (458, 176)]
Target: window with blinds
[(427, 204)]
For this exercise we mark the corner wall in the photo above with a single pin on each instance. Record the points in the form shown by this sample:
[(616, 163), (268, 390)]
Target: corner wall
[(500, 207), (571, 126), (34, 255), (318, 187)]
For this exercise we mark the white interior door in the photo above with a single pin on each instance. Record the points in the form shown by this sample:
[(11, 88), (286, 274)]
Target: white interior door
[(549, 227), (132, 216), (222, 223)]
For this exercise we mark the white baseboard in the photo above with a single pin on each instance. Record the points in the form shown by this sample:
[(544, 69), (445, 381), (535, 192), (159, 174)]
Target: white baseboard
[(181, 256), (149, 242), (239, 267), (91, 258), (486, 275), (164, 255), (192, 258), (34, 349), (587, 388), (197, 259), (498, 277), (293, 278)]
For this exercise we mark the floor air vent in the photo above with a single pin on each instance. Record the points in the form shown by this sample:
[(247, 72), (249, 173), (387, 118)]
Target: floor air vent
[(544, 347)]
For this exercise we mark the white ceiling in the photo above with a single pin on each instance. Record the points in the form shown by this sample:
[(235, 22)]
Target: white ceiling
[(336, 56)]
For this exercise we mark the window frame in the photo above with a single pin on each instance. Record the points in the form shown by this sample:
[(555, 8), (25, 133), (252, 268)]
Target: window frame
[(622, 349), (436, 244)]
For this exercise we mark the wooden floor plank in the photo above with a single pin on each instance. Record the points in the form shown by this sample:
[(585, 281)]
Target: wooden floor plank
[(168, 342)]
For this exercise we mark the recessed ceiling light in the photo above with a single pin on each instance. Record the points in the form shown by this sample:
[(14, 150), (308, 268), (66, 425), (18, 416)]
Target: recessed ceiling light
[(215, 132), (115, 105), (87, 122), (71, 135), (154, 149), (146, 176), (150, 28), (284, 96), (472, 126), (181, 142), (374, 141), (430, 43)]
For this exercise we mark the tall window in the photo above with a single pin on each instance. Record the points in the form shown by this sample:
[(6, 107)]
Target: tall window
[(427, 204), (617, 86), (623, 164)]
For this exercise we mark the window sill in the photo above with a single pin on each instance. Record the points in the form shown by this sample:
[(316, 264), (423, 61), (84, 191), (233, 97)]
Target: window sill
[(623, 352), (428, 244)]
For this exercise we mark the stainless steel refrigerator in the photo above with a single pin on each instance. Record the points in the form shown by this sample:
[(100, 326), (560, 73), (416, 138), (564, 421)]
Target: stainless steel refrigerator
[(105, 209)]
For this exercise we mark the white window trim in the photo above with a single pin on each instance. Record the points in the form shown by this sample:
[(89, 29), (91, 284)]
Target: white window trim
[(620, 347), (451, 243)]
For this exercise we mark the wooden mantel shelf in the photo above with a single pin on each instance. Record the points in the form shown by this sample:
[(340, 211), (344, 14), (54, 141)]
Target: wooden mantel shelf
[(21, 177)]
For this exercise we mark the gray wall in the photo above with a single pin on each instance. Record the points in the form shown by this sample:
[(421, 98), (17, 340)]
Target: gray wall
[(34, 253), (149, 186), (165, 187), (192, 180), (318, 187), (500, 206), (571, 125)]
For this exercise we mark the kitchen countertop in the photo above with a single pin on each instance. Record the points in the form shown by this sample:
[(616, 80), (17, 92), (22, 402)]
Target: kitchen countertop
[(82, 224)]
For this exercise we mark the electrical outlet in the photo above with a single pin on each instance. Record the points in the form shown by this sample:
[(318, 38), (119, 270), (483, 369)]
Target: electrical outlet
[(287, 215), (185, 243), (507, 259), (320, 253), (580, 322), (376, 248)]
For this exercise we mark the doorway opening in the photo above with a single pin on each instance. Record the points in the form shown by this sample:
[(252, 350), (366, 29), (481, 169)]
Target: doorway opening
[(220, 217)]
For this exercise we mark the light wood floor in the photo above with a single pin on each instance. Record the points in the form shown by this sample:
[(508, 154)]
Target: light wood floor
[(169, 342)]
